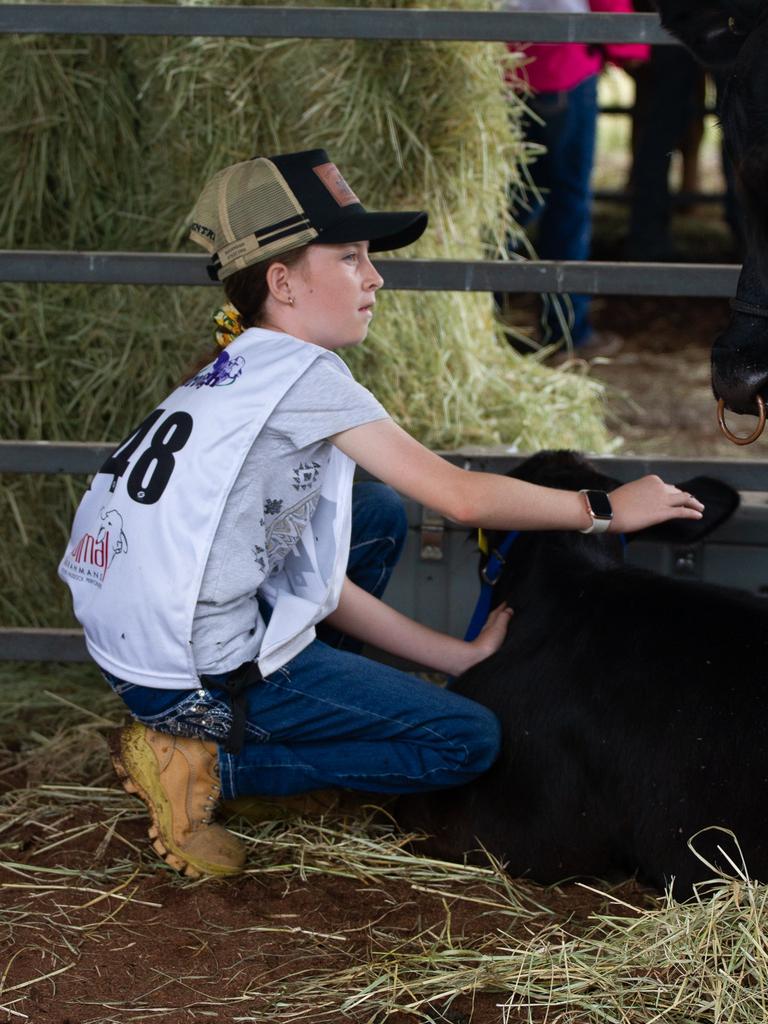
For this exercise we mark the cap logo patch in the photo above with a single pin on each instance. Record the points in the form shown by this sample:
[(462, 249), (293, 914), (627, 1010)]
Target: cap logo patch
[(331, 177), (201, 229)]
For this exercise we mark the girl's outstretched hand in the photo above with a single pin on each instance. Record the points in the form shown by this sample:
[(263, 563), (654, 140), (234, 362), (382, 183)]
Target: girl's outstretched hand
[(648, 501), (491, 636)]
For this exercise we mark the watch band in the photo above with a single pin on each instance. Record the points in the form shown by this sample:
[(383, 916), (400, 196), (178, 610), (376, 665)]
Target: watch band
[(600, 522)]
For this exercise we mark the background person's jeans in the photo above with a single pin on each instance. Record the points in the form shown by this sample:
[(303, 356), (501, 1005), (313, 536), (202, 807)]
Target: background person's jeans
[(669, 101), (331, 717), (564, 174)]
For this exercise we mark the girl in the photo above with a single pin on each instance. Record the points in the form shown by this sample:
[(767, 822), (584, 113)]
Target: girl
[(220, 564)]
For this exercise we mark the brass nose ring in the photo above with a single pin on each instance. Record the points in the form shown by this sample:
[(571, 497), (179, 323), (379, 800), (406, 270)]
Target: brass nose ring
[(755, 433)]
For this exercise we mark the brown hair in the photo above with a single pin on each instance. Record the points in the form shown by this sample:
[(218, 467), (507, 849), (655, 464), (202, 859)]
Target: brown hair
[(248, 291)]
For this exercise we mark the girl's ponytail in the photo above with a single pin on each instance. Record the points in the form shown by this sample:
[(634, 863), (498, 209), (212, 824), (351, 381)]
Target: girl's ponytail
[(247, 292), (229, 324)]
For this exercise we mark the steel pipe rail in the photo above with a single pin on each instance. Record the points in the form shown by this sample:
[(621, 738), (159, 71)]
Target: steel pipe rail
[(590, 277), (439, 275), (67, 645), (330, 23), (49, 457), (42, 645)]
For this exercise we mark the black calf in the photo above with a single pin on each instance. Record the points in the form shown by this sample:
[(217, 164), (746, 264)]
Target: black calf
[(713, 30), (633, 710), (731, 37)]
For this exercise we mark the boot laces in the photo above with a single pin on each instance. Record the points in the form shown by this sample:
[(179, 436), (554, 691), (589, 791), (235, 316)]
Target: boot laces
[(212, 798)]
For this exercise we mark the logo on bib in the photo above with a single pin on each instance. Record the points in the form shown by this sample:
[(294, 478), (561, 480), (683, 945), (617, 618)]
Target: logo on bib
[(94, 553), (224, 371)]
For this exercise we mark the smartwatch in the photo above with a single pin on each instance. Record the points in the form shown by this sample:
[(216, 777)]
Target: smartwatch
[(599, 508)]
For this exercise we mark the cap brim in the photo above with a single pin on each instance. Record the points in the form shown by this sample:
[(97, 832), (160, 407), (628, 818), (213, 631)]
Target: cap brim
[(384, 231)]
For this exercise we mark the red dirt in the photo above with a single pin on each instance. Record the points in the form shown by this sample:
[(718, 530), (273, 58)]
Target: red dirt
[(180, 951)]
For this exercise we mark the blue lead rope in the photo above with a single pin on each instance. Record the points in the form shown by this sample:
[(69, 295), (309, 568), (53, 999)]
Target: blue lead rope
[(489, 574)]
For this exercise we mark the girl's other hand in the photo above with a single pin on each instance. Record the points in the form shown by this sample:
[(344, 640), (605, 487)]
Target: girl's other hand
[(490, 637), (648, 501)]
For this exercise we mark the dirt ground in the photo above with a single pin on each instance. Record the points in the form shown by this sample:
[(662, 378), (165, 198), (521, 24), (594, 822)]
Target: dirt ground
[(659, 394), (97, 931)]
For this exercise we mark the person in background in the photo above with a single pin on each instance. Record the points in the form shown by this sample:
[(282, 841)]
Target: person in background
[(563, 77), (670, 98)]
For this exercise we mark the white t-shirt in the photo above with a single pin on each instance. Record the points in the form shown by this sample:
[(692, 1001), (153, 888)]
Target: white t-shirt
[(275, 494)]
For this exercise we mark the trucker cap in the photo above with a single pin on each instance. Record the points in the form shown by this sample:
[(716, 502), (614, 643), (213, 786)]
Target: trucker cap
[(260, 208)]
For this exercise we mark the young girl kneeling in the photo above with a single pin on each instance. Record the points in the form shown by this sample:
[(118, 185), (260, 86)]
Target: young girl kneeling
[(227, 573)]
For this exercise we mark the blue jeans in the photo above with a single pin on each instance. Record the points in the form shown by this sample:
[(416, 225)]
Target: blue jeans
[(563, 172), (331, 717), (668, 89)]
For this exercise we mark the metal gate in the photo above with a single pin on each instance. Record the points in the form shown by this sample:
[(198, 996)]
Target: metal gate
[(596, 278)]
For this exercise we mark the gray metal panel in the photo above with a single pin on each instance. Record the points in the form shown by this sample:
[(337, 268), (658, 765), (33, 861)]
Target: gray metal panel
[(736, 566), (439, 594), (42, 645), (591, 277), (329, 23), (442, 594)]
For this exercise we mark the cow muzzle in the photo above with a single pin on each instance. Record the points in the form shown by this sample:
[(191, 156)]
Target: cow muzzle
[(740, 366)]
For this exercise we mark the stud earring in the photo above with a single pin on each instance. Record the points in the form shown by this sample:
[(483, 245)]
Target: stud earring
[(291, 301)]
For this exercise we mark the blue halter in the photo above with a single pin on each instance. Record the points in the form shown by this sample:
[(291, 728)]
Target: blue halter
[(490, 574)]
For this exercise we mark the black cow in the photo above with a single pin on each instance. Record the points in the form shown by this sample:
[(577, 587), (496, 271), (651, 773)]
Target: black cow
[(633, 709), (731, 37)]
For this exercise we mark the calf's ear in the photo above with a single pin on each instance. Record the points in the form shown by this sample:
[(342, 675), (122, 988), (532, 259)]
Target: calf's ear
[(720, 502)]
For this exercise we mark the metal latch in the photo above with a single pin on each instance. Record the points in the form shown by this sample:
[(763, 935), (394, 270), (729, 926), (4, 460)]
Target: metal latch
[(431, 534), (686, 562)]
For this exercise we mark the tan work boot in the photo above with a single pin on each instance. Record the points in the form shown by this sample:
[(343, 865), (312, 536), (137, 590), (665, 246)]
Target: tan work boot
[(177, 778)]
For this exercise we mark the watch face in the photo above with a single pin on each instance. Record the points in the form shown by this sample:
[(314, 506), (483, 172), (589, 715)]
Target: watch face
[(600, 504)]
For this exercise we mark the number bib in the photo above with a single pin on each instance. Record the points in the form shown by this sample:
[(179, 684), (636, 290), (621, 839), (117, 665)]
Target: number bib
[(143, 531)]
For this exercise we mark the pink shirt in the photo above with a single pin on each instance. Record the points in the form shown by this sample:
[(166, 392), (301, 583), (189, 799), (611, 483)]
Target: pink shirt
[(561, 66)]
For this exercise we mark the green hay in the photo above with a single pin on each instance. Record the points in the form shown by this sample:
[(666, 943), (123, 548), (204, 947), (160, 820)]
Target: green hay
[(106, 144), (70, 146)]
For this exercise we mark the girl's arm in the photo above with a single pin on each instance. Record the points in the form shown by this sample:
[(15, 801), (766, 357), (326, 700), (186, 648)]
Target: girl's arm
[(498, 502), (368, 619)]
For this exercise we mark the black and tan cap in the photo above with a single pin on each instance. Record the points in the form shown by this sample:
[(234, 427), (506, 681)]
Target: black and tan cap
[(260, 208)]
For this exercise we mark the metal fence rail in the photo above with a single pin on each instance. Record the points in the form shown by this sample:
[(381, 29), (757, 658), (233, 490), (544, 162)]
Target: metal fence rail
[(354, 23), (42, 645), (591, 277), (94, 268), (48, 457), (330, 23)]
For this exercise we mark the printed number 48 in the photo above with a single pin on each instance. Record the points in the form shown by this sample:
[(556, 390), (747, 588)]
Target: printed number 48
[(152, 471)]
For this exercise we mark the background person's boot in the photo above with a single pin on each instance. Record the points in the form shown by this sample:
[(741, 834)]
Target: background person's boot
[(177, 777)]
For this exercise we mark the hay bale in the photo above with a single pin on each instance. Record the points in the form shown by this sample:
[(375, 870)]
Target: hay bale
[(122, 135), (71, 153)]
